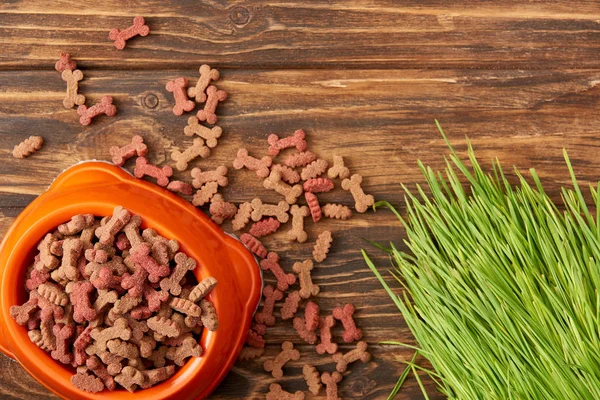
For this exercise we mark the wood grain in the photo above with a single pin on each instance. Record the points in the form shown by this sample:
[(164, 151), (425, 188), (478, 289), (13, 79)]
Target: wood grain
[(300, 34)]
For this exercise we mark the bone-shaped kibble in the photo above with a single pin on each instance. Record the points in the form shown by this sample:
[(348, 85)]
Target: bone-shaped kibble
[(306, 335), (326, 345), (300, 159), (87, 382), (154, 376), (312, 378), (288, 174), (121, 36), (264, 227), (197, 149), (360, 353), (345, 315), (218, 175), (46, 327), (132, 231), (151, 236), (104, 107), (116, 266), (155, 271), (53, 293), (266, 315), (120, 330), (318, 185), (254, 245), (271, 263), (275, 366), (123, 349), (146, 345), (202, 289), (158, 356), (154, 298), (250, 353), (186, 307), (125, 304), (47, 259), (189, 348), (297, 140), (297, 231), (290, 305), (99, 369), (78, 223), (207, 74), (277, 393), (214, 96), (337, 211), (130, 378), (36, 278), (143, 167), (179, 89), (362, 201), (73, 97), (205, 193), (244, 160), (164, 326), (220, 210), (210, 135), (28, 146), (173, 282), (314, 169), (112, 362), (313, 206), (274, 182), (279, 211), (338, 170), (64, 62), (322, 245), (106, 234), (160, 253), (331, 383), (307, 288), (121, 154), (242, 217), (72, 249), (181, 187), (22, 313), (105, 298), (79, 293)]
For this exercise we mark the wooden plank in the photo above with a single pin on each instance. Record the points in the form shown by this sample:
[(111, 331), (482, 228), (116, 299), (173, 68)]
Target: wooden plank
[(298, 34), (382, 121)]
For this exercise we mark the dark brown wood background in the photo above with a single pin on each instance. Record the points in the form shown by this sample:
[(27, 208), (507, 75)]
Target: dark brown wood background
[(365, 79)]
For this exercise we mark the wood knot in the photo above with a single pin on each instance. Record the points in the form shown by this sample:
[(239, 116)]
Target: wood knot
[(240, 15), (361, 386), (150, 101)]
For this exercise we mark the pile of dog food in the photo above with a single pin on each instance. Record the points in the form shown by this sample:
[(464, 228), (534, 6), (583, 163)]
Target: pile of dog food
[(290, 169)]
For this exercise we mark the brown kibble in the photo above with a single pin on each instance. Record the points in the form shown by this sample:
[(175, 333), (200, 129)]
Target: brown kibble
[(125, 304), (274, 182), (36, 338), (123, 349), (197, 149), (184, 264), (337, 211), (132, 232), (338, 170), (207, 74), (72, 249), (297, 232), (300, 159), (185, 307), (218, 175), (331, 382), (164, 326), (210, 135), (307, 288), (73, 97), (322, 246), (313, 206), (250, 353), (362, 201), (155, 376), (261, 167), (290, 306), (220, 210), (202, 289), (28, 147), (104, 299), (314, 169), (242, 217), (275, 366), (87, 382), (209, 315), (151, 237), (360, 353), (47, 259), (266, 315), (21, 314), (106, 234), (130, 378), (312, 378), (279, 211), (158, 356), (53, 293), (120, 330), (277, 393), (297, 140), (189, 348), (205, 193), (326, 345), (288, 174), (100, 370), (77, 224)]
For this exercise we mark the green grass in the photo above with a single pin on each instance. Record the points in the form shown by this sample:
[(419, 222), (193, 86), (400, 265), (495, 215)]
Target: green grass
[(502, 286)]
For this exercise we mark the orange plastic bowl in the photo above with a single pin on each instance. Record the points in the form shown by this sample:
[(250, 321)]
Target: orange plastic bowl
[(96, 188)]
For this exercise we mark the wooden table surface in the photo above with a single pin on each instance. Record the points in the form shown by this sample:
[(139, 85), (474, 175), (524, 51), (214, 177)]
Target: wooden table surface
[(364, 79)]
